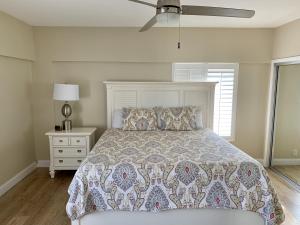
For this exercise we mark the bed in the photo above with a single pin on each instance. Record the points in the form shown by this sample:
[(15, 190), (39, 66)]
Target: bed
[(169, 177)]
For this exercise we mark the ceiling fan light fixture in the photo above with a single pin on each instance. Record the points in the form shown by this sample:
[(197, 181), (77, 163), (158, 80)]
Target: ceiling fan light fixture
[(168, 19)]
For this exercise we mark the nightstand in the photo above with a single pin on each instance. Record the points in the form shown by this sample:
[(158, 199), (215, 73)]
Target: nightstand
[(69, 149)]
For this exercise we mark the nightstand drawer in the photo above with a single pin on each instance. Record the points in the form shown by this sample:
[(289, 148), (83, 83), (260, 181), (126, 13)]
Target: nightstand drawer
[(69, 152), (68, 161), (60, 141), (77, 141)]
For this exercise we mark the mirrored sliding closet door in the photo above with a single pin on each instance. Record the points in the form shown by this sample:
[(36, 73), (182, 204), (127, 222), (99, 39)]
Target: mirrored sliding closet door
[(286, 144)]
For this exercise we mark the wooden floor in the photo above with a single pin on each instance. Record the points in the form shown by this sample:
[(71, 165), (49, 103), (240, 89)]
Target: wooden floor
[(289, 198), (292, 172), (39, 200)]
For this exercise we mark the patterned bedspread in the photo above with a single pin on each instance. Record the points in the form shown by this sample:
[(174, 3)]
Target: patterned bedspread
[(163, 170)]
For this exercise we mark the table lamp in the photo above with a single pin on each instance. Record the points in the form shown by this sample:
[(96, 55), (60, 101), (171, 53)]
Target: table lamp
[(66, 92)]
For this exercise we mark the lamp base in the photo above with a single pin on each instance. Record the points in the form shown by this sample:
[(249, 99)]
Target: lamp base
[(67, 125), (66, 110)]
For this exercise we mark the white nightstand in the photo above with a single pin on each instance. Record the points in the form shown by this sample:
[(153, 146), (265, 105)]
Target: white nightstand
[(69, 149)]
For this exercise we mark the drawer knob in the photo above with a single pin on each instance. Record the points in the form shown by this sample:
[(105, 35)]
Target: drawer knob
[(79, 151), (61, 161), (79, 160), (60, 141), (78, 141), (60, 151)]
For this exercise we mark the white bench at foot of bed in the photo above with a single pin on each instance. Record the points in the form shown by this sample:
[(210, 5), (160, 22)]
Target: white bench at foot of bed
[(173, 217)]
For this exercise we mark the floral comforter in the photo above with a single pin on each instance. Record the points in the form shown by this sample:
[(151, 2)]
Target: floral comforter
[(163, 170)]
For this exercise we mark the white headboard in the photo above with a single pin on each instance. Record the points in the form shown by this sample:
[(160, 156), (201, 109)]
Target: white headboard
[(168, 94)]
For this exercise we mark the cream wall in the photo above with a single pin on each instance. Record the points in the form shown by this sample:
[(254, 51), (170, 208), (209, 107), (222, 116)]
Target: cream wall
[(287, 40), (16, 38), (287, 133), (88, 56), (16, 139), (251, 108)]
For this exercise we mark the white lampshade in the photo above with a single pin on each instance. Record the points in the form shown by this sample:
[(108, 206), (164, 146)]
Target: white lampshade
[(66, 92)]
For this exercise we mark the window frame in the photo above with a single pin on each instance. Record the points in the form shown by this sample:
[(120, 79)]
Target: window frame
[(204, 67)]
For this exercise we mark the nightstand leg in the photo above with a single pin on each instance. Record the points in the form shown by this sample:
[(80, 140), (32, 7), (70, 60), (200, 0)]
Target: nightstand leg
[(52, 173)]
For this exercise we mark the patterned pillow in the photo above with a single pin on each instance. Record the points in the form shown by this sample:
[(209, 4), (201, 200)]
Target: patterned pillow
[(139, 119), (179, 118)]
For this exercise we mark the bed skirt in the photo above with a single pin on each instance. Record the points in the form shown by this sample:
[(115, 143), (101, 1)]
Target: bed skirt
[(173, 217)]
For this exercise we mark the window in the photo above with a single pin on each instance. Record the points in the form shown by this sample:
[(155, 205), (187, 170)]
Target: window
[(226, 74)]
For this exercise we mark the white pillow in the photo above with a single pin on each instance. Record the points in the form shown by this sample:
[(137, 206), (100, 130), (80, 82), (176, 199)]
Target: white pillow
[(199, 120), (117, 120)]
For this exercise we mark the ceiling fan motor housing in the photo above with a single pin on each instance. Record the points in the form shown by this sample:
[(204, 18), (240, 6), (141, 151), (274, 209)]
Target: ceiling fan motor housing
[(166, 3), (168, 6)]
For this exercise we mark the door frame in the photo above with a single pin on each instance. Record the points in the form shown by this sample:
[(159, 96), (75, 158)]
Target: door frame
[(272, 97)]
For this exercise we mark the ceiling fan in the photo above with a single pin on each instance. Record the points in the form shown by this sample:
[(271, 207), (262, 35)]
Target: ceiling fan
[(172, 9)]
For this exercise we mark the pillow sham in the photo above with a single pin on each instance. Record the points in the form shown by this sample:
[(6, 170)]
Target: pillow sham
[(139, 119), (179, 118)]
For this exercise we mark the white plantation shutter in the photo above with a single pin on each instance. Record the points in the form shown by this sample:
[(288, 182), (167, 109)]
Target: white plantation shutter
[(189, 72), (223, 99), (225, 95)]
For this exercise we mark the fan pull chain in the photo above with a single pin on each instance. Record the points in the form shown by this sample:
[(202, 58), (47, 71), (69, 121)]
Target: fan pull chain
[(179, 35)]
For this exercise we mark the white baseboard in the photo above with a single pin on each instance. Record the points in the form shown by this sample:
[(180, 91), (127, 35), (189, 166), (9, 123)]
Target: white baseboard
[(43, 163), (17, 178), (286, 162)]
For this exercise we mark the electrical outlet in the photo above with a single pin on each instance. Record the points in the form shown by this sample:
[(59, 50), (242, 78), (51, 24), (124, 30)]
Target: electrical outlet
[(295, 152)]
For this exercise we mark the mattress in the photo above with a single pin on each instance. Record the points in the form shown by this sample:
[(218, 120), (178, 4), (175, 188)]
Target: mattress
[(154, 171)]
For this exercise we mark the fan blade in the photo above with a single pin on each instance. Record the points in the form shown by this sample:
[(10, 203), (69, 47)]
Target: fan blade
[(150, 24), (144, 3), (216, 11)]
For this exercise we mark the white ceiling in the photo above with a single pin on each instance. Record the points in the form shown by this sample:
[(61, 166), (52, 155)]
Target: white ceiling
[(122, 13)]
